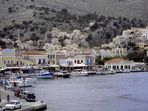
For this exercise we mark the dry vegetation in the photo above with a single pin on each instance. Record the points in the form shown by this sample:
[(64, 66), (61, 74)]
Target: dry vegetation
[(34, 17)]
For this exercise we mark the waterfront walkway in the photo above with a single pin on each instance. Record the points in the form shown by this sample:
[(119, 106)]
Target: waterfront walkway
[(26, 106)]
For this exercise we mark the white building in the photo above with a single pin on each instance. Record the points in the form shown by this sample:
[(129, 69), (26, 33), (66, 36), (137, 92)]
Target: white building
[(70, 64), (121, 64), (119, 52), (105, 53), (145, 33)]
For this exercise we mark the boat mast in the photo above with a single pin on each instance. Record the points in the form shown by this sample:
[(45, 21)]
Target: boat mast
[(19, 63)]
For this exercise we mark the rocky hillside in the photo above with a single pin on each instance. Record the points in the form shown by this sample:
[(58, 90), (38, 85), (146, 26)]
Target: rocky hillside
[(125, 8), (100, 19)]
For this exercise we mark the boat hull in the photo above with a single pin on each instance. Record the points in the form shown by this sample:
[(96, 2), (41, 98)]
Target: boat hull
[(42, 76)]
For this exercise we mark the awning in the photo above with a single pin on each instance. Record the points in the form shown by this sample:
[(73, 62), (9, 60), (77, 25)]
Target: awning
[(53, 65), (79, 65), (74, 65)]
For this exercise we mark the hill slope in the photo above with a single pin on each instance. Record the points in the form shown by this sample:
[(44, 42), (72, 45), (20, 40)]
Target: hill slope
[(127, 8), (36, 17)]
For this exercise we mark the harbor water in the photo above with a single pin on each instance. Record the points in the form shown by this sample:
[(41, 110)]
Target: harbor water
[(120, 92)]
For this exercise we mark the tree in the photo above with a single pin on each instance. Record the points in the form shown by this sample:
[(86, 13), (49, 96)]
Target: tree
[(2, 34), (136, 57), (131, 44), (32, 29), (34, 37), (43, 30), (11, 36), (94, 26), (64, 11), (2, 44), (10, 10), (99, 61), (146, 60), (108, 35)]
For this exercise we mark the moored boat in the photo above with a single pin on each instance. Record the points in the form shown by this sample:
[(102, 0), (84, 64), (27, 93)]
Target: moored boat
[(104, 71), (63, 74), (79, 72), (42, 74), (12, 84)]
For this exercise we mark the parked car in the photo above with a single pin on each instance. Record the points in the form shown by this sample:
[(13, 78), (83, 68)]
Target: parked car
[(23, 94), (13, 104), (30, 97), (2, 108)]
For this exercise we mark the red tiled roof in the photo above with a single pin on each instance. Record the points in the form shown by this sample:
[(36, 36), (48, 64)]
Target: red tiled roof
[(116, 60)]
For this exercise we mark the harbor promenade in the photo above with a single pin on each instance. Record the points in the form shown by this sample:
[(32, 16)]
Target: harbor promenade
[(26, 106)]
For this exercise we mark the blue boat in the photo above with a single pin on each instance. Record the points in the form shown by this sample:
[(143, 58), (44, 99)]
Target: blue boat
[(42, 74)]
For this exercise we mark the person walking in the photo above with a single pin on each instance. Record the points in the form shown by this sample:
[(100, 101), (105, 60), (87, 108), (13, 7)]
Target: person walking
[(8, 98)]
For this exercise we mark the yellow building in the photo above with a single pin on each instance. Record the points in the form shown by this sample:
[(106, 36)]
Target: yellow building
[(8, 57), (35, 58)]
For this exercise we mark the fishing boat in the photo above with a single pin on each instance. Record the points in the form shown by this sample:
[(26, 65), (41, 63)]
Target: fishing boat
[(42, 74)]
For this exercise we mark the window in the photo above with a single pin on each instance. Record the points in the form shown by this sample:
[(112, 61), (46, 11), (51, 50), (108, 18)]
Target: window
[(53, 56), (114, 67), (39, 61), (50, 57), (121, 67), (78, 62), (17, 63), (21, 62), (43, 61), (75, 61)]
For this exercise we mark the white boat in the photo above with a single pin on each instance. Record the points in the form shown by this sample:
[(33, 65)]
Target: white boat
[(119, 71), (31, 80), (110, 71), (126, 71), (136, 70), (100, 71), (104, 71), (13, 82), (63, 74), (80, 72), (24, 84)]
